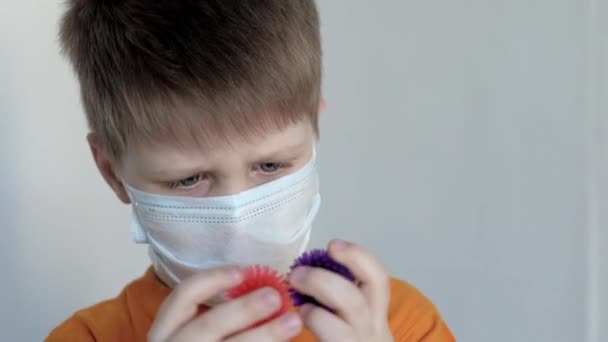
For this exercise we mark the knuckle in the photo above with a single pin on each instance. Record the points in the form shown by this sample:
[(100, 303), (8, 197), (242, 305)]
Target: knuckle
[(355, 248), (209, 322), (221, 272), (181, 291), (355, 254), (381, 268), (358, 304), (385, 281), (317, 275), (215, 275), (276, 331), (380, 328), (318, 280), (315, 317)]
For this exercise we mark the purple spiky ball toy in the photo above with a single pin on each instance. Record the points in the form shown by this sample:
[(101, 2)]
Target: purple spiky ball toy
[(317, 258)]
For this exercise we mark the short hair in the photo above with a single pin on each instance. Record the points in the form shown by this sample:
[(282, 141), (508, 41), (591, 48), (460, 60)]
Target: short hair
[(193, 69)]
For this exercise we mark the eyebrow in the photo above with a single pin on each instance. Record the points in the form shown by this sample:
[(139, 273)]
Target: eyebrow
[(282, 152), (174, 171)]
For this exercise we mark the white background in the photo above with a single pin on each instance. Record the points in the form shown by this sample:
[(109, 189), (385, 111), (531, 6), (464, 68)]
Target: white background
[(465, 143)]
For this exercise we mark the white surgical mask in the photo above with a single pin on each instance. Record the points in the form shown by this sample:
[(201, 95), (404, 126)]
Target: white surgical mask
[(269, 224)]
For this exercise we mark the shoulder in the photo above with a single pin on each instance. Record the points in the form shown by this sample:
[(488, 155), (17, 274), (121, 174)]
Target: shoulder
[(72, 329), (94, 323), (126, 317), (413, 317)]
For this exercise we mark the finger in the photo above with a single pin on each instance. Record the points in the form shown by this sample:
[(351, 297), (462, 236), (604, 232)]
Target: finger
[(333, 291), (231, 317), (281, 329), (325, 325), (368, 270), (183, 302)]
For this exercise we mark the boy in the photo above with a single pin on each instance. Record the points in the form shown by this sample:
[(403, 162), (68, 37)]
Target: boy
[(204, 116)]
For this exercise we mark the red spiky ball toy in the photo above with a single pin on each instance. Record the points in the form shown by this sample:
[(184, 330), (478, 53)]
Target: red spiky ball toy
[(257, 277)]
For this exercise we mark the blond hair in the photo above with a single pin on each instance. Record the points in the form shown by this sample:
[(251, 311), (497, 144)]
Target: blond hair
[(183, 70)]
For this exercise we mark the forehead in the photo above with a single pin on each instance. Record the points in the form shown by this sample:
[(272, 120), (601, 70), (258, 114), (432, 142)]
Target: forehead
[(194, 123), (298, 136)]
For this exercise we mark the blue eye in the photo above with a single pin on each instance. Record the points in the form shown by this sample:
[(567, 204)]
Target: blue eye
[(270, 167)]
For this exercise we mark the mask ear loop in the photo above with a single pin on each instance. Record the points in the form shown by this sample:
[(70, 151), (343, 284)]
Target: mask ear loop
[(309, 220), (312, 214), (161, 267), (137, 232), (315, 206), (138, 235)]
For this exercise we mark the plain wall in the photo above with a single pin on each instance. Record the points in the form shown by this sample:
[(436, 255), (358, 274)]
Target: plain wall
[(465, 143)]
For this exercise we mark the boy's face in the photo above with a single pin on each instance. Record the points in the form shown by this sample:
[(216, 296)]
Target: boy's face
[(214, 170)]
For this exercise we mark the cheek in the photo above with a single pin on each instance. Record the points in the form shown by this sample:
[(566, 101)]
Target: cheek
[(127, 177), (132, 180), (152, 188), (307, 157), (201, 189)]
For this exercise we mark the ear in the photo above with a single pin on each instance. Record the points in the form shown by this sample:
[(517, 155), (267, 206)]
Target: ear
[(322, 105), (107, 168)]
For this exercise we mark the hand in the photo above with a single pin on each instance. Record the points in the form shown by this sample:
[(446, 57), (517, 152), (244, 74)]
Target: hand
[(360, 310), (177, 319)]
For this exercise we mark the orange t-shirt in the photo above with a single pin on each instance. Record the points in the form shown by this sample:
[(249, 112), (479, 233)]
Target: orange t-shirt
[(128, 317)]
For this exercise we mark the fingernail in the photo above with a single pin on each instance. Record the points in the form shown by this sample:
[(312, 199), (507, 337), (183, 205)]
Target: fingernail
[(299, 274), (291, 322), (339, 244), (269, 297)]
